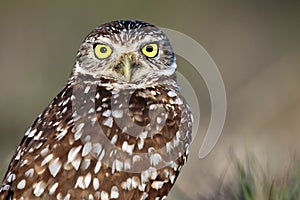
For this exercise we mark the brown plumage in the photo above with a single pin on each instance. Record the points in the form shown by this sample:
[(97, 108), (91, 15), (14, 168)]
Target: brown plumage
[(110, 133)]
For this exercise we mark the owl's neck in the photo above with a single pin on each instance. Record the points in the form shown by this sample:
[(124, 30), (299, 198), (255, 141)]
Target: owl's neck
[(148, 81)]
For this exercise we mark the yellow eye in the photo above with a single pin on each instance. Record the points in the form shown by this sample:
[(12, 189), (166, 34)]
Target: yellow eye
[(150, 50), (102, 51)]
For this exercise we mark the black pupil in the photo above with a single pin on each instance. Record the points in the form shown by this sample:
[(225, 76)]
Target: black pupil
[(149, 49), (103, 49)]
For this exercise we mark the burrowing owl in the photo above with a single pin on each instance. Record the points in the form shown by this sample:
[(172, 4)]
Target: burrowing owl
[(119, 129)]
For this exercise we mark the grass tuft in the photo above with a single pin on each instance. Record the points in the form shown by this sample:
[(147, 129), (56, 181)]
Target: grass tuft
[(251, 182)]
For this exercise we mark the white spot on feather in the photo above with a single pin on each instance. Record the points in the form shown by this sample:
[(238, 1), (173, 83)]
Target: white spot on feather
[(140, 143), (91, 197), (78, 132), (45, 151), (54, 167), (27, 132), (145, 195), (152, 173), (61, 134), (24, 162), (87, 180), (87, 89), (96, 183), (108, 122), (114, 139), (76, 163), (152, 107), (106, 113), (97, 95), (119, 165), (126, 185), (127, 164), (53, 188), (11, 177), (39, 188), (73, 153), (172, 94), (117, 113), (114, 193), (21, 185), (153, 92), (104, 99), (97, 148), (64, 110), (85, 164), (80, 183), (31, 133), (157, 185), (67, 197), (127, 148), (155, 159), (158, 120), (172, 178), (92, 110), (104, 195), (86, 149), (177, 101), (38, 136), (47, 159), (101, 156), (83, 182), (168, 147), (143, 134), (97, 167)]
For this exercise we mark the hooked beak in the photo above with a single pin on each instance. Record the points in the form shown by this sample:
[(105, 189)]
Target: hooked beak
[(126, 66)]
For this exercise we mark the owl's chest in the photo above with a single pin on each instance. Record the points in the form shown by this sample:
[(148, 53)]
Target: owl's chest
[(102, 141), (132, 115)]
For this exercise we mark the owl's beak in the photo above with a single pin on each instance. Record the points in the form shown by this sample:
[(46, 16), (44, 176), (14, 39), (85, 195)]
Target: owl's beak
[(127, 63)]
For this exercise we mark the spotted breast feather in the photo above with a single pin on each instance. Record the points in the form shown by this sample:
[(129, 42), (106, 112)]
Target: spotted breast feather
[(110, 143)]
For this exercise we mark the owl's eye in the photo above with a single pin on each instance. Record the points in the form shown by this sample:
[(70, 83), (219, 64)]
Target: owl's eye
[(102, 51), (150, 50)]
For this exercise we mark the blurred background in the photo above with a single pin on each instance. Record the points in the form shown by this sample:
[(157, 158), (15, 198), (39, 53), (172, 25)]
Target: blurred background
[(256, 46)]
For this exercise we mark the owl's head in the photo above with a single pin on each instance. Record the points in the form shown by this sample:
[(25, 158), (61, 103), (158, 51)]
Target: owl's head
[(126, 51)]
